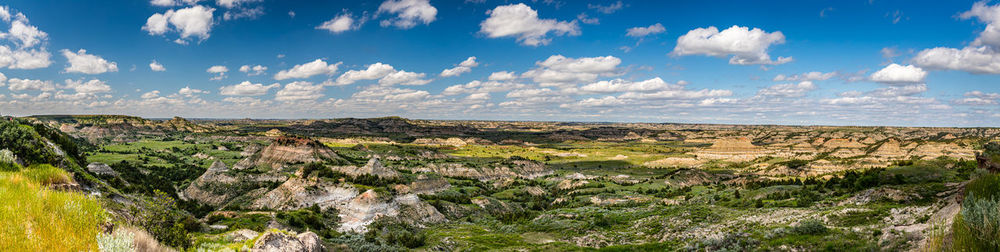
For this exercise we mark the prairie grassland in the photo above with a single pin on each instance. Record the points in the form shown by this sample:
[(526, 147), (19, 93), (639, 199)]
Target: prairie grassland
[(36, 218)]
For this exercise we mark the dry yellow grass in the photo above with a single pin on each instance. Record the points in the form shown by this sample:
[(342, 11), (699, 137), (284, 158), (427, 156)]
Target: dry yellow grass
[(35, 218)]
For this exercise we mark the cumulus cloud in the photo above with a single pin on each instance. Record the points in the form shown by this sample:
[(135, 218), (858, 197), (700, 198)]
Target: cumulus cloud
[(385, 73), (463, 67), (247, 89), (27, 49), (620, 85), (502, 76), (557, 69), (301, 71), (194, 21), (639, 32), (81, 62), (522, 22), (219, 70), (747, 46), (373, 72), (299, 91), (253, 70), (979, 60), (477, 86), (810, 76), (979, 98), (16, 84), (408, 13), (150, 94), (787, 90), (404, 78), (156, 66), (382, 94), (342, 23), (980, 57), (189, 92), (90, 87), (897, 74)]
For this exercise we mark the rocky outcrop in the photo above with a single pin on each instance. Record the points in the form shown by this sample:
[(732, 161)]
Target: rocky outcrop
[(277, 241), (373, 167), (518, 168), (219, 184), (289, 150), (298, 193), (369, 206), (101, 169)]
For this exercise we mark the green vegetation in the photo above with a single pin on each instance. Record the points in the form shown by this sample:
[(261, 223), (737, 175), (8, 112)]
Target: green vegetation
[(40, 219)]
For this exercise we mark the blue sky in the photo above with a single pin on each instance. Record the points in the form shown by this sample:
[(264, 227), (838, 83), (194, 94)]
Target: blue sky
[(913, 63)]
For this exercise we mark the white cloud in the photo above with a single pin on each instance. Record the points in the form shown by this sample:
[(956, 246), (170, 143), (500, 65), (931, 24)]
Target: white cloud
[(747, 46), (607, 9), (979, 98), (619, 85), (530, 93), (156, 66), (169, 3), (980, 60), (151, 94), (640, 32), (463, 67), (194, 21), (502, 76), (16, 84), (404, 78), (898, 74), (587, 19), (243, 12), (219, 70), (247, 89), (189, 92), (94, 86), (558, 69), (787, 90), (234, 3), (81, 62), (307, 70), (384, 94), (299, 91), (522, 22), (26, 34), (980, 57), (386, 74), (408, 13), (810, 76), (481, 87), (596, 102), (678, 94), (28, 43), (339, 24), (253, 70)]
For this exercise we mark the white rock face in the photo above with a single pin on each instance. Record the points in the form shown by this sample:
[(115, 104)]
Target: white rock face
[(282, 242), (101, 169)]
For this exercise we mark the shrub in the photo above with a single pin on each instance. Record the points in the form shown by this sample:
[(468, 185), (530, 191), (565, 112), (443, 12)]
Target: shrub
[(810, 227), (982, 218)]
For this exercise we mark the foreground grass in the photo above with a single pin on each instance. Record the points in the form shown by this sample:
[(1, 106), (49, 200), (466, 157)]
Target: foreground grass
[(36, 218)]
